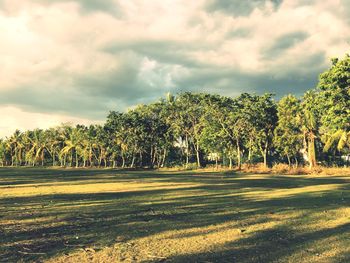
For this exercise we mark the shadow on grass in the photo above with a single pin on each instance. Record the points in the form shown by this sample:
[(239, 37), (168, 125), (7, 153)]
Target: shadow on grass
[(38, 227), (273, 245)]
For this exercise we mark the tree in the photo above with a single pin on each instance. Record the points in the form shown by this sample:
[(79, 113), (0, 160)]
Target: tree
[(199, 126), (288, 137), (115, 128), (2, 152), (334, 86), (260, 115), (341, 138), (225, 114), (53, 143), (187, 116), (213, 139), (73, 145), (311, 123), (15, 146)]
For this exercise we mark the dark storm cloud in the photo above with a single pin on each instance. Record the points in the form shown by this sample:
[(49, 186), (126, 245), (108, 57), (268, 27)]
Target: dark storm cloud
[(46, 100), (93, 95), (124, 85), (114, 62), (232, 83), (238, 7), (284, 43), (281, 81), (169, 52), (86, 95)]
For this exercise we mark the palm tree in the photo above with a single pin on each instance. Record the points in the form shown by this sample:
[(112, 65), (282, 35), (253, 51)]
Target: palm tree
[(29, 149), (310, 125), (341, 138), (73, 145), (63, 135), (2, 152), (15, 146), (53, 143), (39, 145)]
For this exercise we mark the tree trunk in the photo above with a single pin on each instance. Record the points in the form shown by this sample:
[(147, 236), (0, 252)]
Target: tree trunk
[(71, 159), (76, 159), (198, 157), (264, 153), (159, 160), (123, 159), (90, 156), (101, 158), (288, 160), (151, 156), (239, 165), (164, 156), (132, 161), (311, 150), (141, 160), (154, 156), (265, 157), (230, 165), (187, 151), (250, 151)]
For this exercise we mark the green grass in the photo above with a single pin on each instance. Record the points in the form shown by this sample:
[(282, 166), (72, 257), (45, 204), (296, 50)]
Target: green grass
[(59, 215)]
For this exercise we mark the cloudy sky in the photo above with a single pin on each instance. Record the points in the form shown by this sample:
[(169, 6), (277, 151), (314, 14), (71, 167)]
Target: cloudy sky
[(74, 60)]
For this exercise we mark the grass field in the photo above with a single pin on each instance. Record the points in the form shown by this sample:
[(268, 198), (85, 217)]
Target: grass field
[(54, 215)]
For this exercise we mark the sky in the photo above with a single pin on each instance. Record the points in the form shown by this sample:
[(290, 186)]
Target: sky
[(75, 60)]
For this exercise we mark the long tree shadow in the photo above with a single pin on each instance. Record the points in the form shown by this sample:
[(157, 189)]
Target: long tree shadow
[(279, 244), (34, 228)]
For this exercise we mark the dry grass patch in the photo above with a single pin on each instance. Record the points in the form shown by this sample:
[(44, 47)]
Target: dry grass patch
[(202, 216)]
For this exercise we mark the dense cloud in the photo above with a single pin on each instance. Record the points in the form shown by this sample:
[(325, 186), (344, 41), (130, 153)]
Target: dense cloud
[(238, 7), (78, 59)]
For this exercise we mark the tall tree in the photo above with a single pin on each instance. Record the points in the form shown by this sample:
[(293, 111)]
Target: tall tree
[(260, 116), (311, 123), (73, 145), (15, 146), (2, 152), (288, 137), (334, 85), (188, 112)]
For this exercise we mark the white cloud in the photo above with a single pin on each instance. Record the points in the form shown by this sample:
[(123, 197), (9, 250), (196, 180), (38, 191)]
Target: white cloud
[(83, 58), (13, 118)]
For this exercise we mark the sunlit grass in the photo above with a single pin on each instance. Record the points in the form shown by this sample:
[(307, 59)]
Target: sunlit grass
[(59, 215)]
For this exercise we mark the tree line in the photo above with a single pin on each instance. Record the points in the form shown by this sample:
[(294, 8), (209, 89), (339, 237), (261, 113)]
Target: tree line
[(202, 128)]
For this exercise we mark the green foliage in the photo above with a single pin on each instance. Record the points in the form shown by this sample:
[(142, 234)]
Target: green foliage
[(340, 138), (288, 138), (199, 127), (334, 88)]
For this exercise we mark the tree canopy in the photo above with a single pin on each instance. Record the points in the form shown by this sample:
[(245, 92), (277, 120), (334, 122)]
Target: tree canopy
[(202, 128)]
